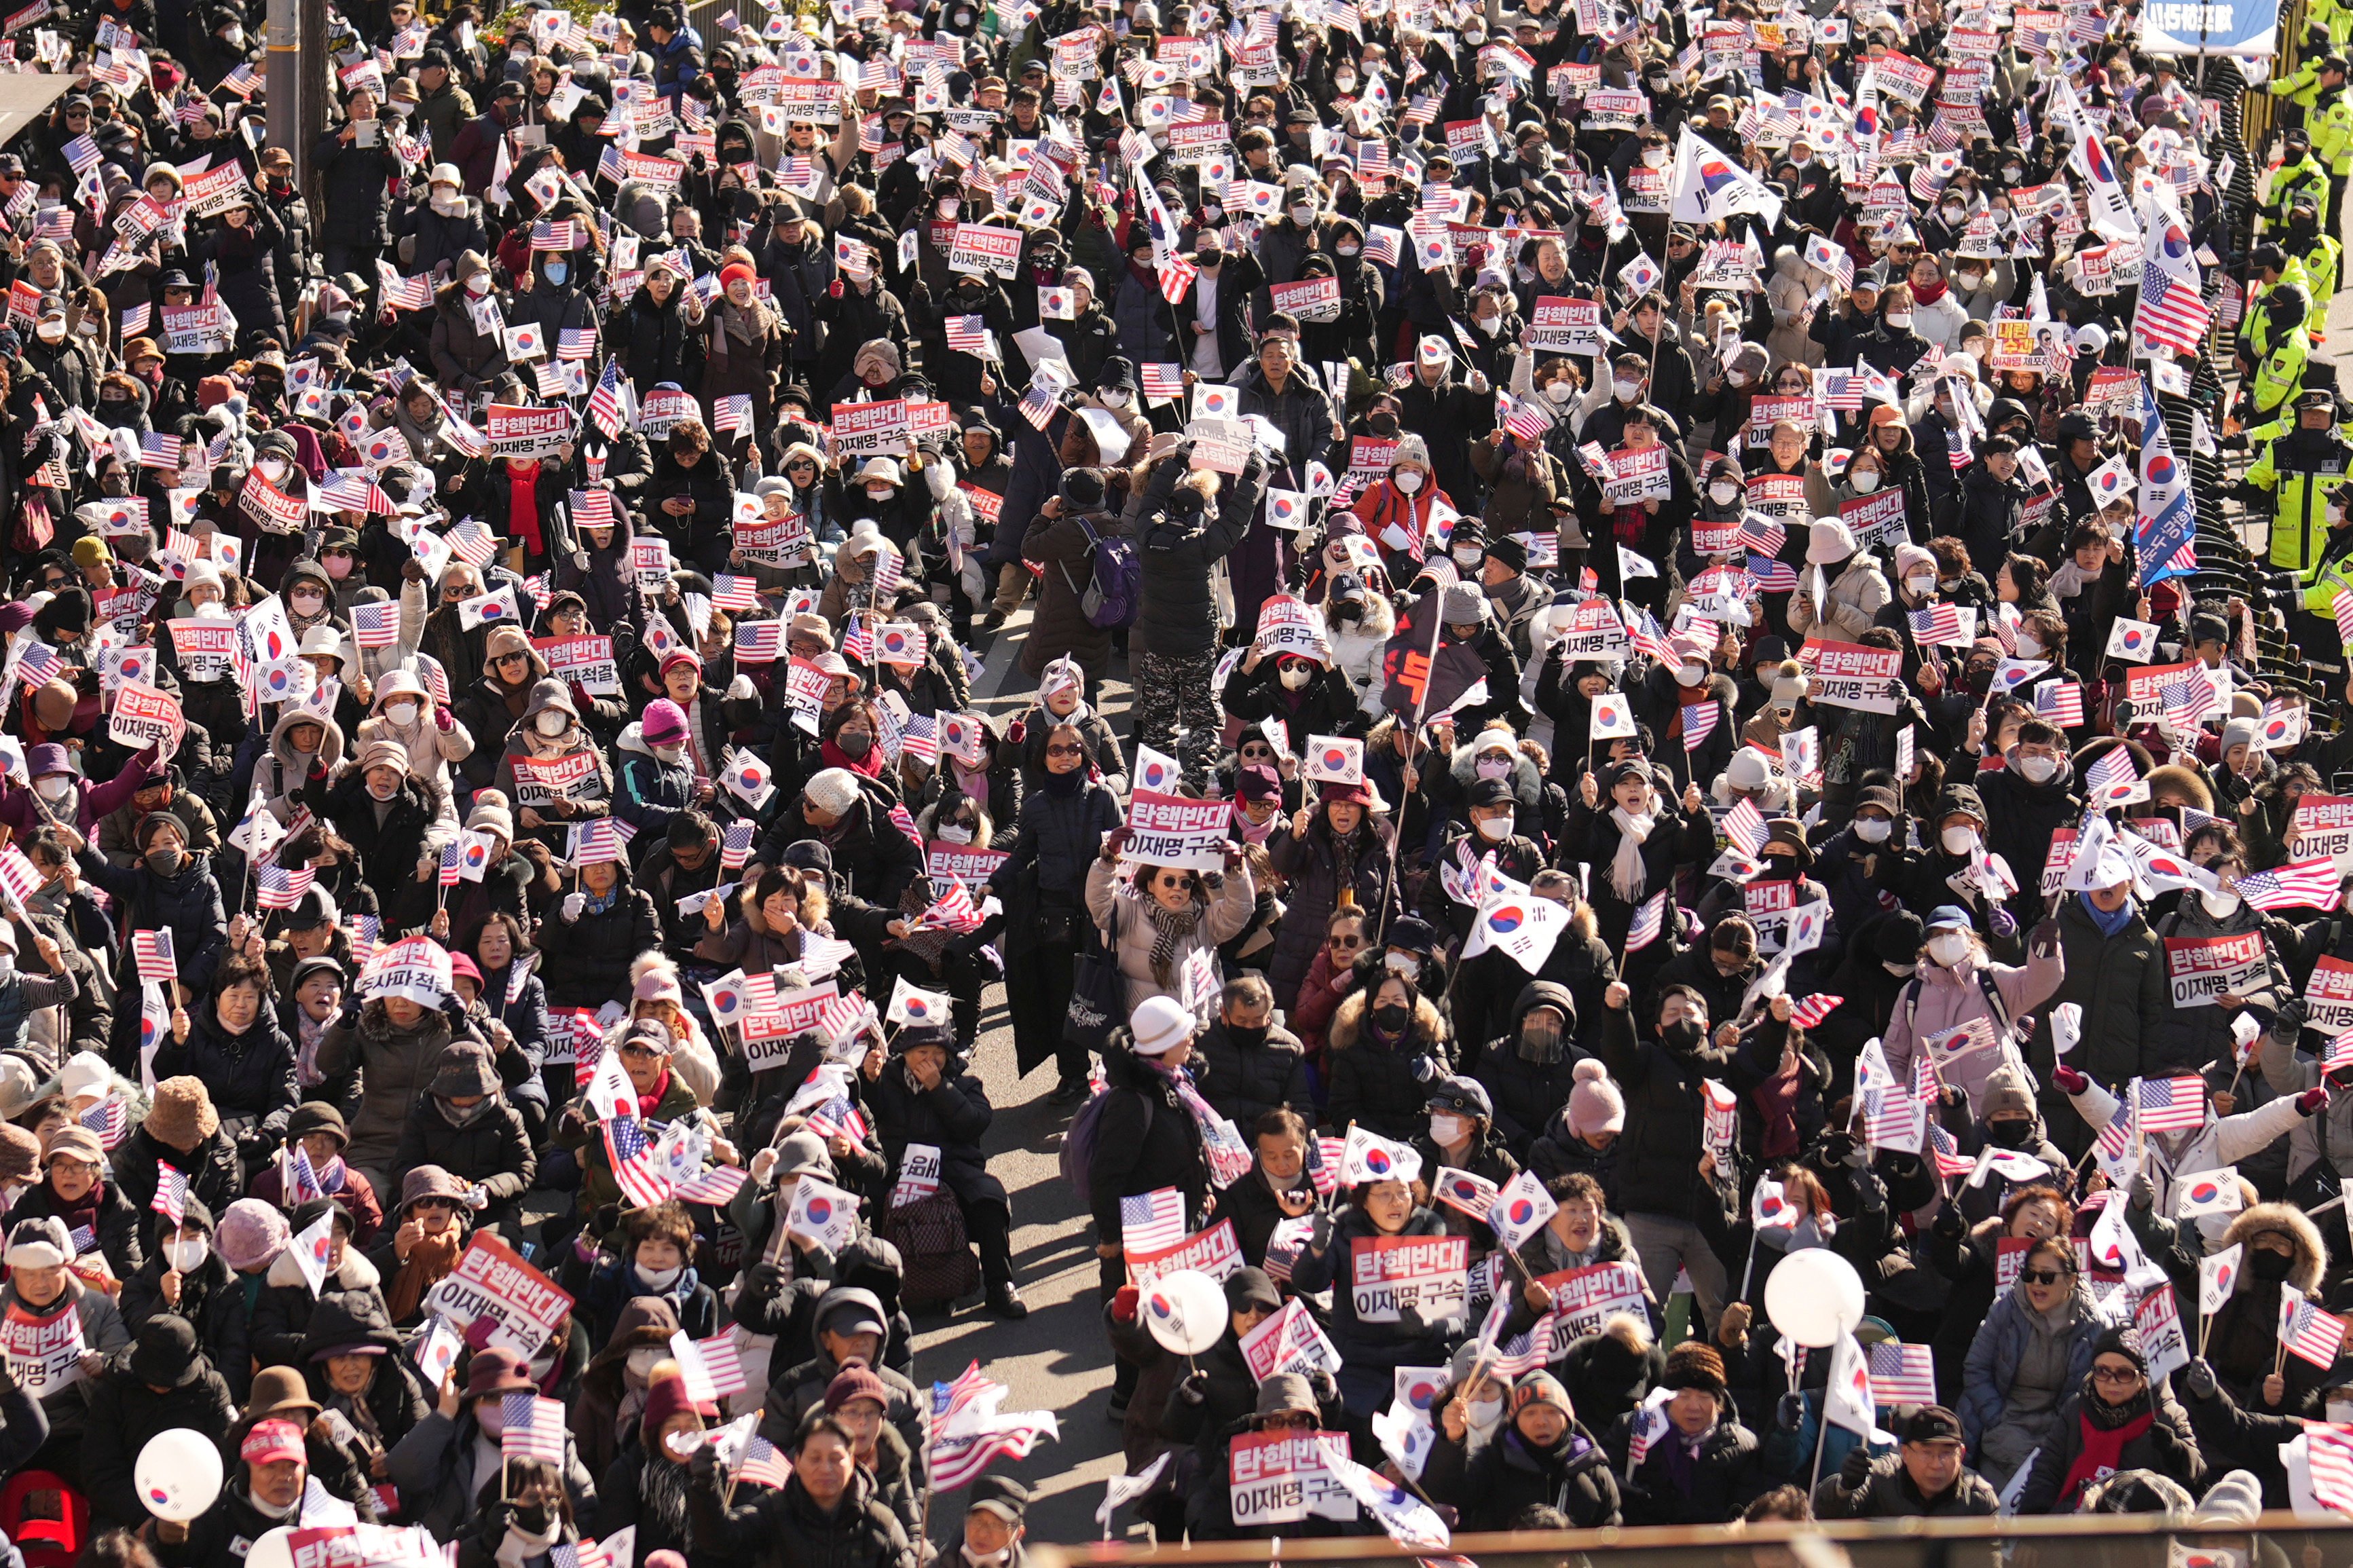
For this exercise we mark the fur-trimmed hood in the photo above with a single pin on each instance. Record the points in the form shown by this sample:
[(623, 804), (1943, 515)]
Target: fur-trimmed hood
[(1348, 1022), (2305, 1269), (356, 1272)]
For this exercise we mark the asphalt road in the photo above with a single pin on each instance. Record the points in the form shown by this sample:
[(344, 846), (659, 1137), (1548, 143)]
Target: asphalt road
[(1056, 1359)]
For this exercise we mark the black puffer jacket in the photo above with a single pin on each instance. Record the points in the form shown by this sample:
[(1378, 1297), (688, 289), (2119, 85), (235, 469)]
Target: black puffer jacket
[(390, 847), (1658, 1155), (873, 862), (251, 1075), (771, 1529), (953, 1117), (585, 956), (1490, 1483), (1177, 616), (701, 535), (1725, 1476), (1244, 1081), (1384, 1087), (1527, 1093), (1144, 1139)]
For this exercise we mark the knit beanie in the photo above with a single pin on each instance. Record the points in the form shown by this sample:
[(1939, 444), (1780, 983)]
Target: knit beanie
[(1595, 1106)]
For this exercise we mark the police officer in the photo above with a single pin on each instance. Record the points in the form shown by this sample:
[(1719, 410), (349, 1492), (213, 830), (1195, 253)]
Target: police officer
[(2299, 173), (2274, 350), (2332, 135), (2300, 475), (2302, 89)]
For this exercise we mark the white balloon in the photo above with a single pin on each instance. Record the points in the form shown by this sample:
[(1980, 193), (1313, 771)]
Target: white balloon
[(178, 1475), (1186, 1311), (1815, 1297), (274, 1550)]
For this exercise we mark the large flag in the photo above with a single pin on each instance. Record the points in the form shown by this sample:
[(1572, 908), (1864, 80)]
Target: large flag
[(2109, 207), (1708, 186), (2166, 536)]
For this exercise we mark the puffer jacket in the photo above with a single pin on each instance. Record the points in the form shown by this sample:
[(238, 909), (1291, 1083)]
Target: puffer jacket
[(1370, 1352), (391, 847), (2190, 1040), (1144, 1139), (1489, 1483), (1658, 1153), (1176, 612), (587, 954), (251, 1075), (2001, 1342), (1057, 845), (1528, 1094), (1060, 545), (1122, 913), (365, 1054), (772, 1528), (1727, 1474), (1938, 999), (1379, 1086), (2119, 981), (1243, 1082), (1888, 1492)]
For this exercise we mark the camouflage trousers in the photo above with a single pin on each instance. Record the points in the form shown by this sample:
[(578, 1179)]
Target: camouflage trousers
[(1174, 692)]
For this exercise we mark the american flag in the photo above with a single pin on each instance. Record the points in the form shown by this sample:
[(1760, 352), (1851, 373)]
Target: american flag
[(731, 592), (592, 509), (355, 492), (2173, 316), (1939, 623), (889, 572), (1814, 1009), (759, 642), (586, 1555), (2338, 1050), (1323, 1156), (2343, 606), (1902, 1374), (609, 405), (1648, 922), (724, 1365), (1699, 724), (2114, 770), (302, 1179), (2298, 885), (1177, 275), (576, 343), (922, 740), (2059, 703), (38, 666), (533, 1428), (968, 335), (837, 1118), (1165, 384), (159, 451), (2189, 699), (597, 842), (1839, 390), (276, 887), (1152, 1222), (110, 1119), (903, 821), (19, 875), (642, 1180), (558, 233), (1950, 1160), (2329, 1453), (762, 1466), (716, 1185), (406, 293), (952, 910), (2306, 1331), (452, 860), (737, 850), (1527, 420), (153, 951), (732, 413), (170, 1199), (376, 625), (1744, 826), (2172, 1104)]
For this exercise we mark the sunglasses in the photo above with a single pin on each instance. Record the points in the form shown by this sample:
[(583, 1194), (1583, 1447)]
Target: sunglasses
[(2113, 1375), (1301, 1422), (2045, 1276), (1174, 883), (1344, 943), (1065, 751)]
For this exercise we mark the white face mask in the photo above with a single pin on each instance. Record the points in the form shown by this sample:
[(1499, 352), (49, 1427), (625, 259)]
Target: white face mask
[(190, 1252), (1800, 159), (1303, 214), (1625, 391), (479, 284), (1446, 1130), (1344, 83), (1921, 586), (1872, 829), (2029, 647), (2038, 770), (272, 469), (1654, 157), (1558, 390), (1295, 676), (661, 1278), (1969, 281), (2220, 905), (1114, 400), (1495, 829), (1900, 321), (1948, 948), (878, 493), (1349, 252), (551, 723), (401, 714), (1690, 675), (1722, 494), (644, 1359), (1467, 557), (955, 833), (1954, 215), (2012, 171), (56, 786), (1493, 767), (1408, 479), (670, 754), (1958, 840), (1491, 325), (51, 332), (2340, 1411), (1865, 480), (1902, 971)]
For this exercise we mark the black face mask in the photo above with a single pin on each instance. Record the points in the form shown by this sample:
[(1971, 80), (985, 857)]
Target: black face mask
[(1348, 610), (1682, 1036), (854, 745), (1393, 1017), (1383, 424), (2269, 1267), (1248, 1039), (2010, 1134)]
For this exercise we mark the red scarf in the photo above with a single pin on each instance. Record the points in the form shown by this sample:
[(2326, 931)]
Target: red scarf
[(1928, 293), (2101, 1452), (868, 766), (647, 1103), (522, 505)]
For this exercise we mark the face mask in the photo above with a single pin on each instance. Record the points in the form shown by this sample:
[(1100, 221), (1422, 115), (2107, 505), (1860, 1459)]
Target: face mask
[(2038, 770), (855, 745), (1383, 424), (669, 754), (1625, 390), (1493, 767), (7, 963), (878, 493), (1348, 251), (1800, 159), (2221, 905), (52, 332), (1969, 281), (551, 724), (1722, 494), (661, 1278), (557, 272), (164, 862), (1487, 1413), (1303, 214), (1953, 216), (1495, 829), (2012, 171), (190, 1253), (1958, 840), (1654, 157), (1115, 400), (1393, 1017), (955, 833), (1405, 964), (272, 469), (1409, 480), (57, 787), (1948, 948), (1558, 390), (1901, 970), (1446, 1130), (479, 284), (1920, 587), (1491, 325), (2029, 646), (2269, 1267), (1872, 829), (1474, 36), (401, 714), (643, 1359), (1344, 83), (1294, 677), (234, 37), (1466, 558), (2010, 1134), (1900, 321)]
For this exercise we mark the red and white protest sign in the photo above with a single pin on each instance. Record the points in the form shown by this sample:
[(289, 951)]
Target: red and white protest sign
[(495, 1298), (1388, 1274)]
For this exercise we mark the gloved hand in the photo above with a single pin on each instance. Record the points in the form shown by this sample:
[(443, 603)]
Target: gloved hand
[(703, 1466), (1948, 1223), (1123, 1304), (1870, 1192), (1319, 1235), (1194, 1390), (573, 904), (2069, 1081), (820, 1258), (2144, 1195), (1856, 1469), (2289, 1020), (2002, 923), (764, 1281), (2312, 1101), (2199, 1377), (1790, 1412)]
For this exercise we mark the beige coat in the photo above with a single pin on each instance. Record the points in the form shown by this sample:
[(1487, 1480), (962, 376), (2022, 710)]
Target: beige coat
[(1109, 900), (1856, 595)]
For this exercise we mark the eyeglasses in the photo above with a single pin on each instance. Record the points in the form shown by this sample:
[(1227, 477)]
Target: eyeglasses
[(1066, 750), (1174, 884), (2045, 1276), (1296, 1422), (2116, 1374), (1344, 943)]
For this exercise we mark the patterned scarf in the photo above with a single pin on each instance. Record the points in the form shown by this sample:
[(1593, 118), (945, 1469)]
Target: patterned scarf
[(1169, 927)]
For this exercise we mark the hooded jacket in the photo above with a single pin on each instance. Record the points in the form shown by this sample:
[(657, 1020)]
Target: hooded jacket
[(1528, 1094), (1380, 1086), (1490, 1482), (1658, 1153), (1937, 999)]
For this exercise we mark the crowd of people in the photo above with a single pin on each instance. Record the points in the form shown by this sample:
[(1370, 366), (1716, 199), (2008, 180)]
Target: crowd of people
[(1728, 622)]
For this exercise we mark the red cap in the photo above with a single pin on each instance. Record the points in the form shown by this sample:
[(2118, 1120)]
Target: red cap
[(270, 1441)]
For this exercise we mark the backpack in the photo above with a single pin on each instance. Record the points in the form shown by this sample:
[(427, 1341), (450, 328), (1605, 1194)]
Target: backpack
[(1109, 599), (1079, 1144)]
